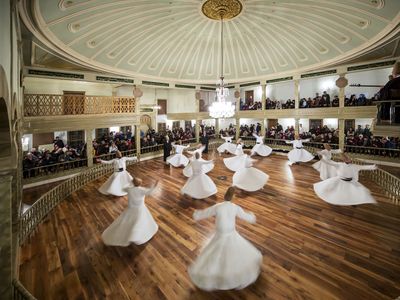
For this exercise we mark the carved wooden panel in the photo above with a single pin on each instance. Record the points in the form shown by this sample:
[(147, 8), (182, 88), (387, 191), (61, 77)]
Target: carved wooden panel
[(70, 104)]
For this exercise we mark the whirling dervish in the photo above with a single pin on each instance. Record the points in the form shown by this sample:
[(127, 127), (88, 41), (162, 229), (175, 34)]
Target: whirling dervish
[(259, 148), (325, 170), (249, 178), (228, 261), (178, 159), (187, 171), (236, 162), (199, 185), (120, 178), (298, 154), (135, 224), (344, 188), (228, 146)]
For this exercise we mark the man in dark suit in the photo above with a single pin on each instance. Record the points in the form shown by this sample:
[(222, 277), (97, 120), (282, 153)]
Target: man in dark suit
[(204, 141), (167, 147)]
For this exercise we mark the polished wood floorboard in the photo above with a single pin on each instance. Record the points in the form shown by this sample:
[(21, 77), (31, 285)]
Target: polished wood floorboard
[(311, 250)]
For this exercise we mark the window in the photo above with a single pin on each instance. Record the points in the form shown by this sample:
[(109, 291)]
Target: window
[(76, 139)]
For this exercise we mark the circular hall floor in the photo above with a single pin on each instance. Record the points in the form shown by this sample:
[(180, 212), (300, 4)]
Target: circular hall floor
[(311, 250)]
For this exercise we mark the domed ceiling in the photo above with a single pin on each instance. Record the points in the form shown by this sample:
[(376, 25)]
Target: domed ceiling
[(174, 40)]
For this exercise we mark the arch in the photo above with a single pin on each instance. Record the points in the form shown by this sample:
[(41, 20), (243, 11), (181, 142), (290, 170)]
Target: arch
[(5, 133)]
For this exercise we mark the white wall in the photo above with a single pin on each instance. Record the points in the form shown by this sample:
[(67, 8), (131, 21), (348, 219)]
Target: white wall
[(305, 124), (245, 121), (308, 87), (208, 122), (287, 122), (371, 77), (257, 92), (224, 123), (181, 101), (331, 123), (27, 142), (34, 85), (280, 91), (363, 122)]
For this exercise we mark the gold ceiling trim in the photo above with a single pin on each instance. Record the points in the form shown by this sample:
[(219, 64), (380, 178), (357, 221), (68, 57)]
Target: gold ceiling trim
[(227, 9)]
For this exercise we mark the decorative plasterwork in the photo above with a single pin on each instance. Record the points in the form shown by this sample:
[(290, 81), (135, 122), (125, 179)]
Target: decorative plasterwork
[(173, 40)]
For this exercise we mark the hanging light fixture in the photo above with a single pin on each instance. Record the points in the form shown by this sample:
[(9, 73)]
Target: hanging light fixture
[(222, 108)]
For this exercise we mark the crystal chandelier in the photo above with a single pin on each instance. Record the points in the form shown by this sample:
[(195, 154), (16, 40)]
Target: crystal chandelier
[(222, 108)]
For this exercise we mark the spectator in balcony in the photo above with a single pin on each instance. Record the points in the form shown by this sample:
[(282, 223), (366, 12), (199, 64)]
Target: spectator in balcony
[(303, 103), (58, 142), (359, 130), (301, 129), (350, 132), (326, 97), (335, 101), (113, 148), (367, 131)]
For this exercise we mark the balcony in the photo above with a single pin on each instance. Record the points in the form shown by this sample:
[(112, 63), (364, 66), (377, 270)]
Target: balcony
[(71, 112)]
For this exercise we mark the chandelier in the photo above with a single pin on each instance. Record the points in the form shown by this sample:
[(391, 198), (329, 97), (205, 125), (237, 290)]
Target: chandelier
[(222, 108)]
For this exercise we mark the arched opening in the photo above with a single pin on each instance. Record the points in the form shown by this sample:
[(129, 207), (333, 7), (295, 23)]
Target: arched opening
[(5, 136), (5, 145)]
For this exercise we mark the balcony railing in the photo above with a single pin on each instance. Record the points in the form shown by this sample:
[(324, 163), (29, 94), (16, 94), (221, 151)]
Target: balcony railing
[(56, 105), (51, 169), (373, 151)]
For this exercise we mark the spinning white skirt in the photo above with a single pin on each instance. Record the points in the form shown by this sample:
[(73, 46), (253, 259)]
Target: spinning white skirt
[(261, 149), (199, 187), (300, 155), (116, 183), (325, 171), (135, 225), (227, 262), (339, 192), (188, 171), (236, 162), (231, 148), (249, 179), (178, 160)]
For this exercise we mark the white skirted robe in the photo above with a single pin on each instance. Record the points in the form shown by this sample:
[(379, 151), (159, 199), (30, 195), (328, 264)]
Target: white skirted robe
[(227, 261), (199, 185), (298, 154), (236, 162), (325, 170), (135, 224), (120, 179), (188, 172), (178, 159), (249, 178), (344, 188), (227, 146), (259, 148)]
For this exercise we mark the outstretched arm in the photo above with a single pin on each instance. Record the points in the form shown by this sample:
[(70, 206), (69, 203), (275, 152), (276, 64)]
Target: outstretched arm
[(289, 142), (131, 158), (330, 162), (247, 216), (306, 140), (367, 167), (337, 151), (107, 162), (255, 135), (205, 213), (148, 191)]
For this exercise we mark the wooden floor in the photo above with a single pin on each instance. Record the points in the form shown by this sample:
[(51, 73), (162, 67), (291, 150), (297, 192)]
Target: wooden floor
[(311, 250)]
